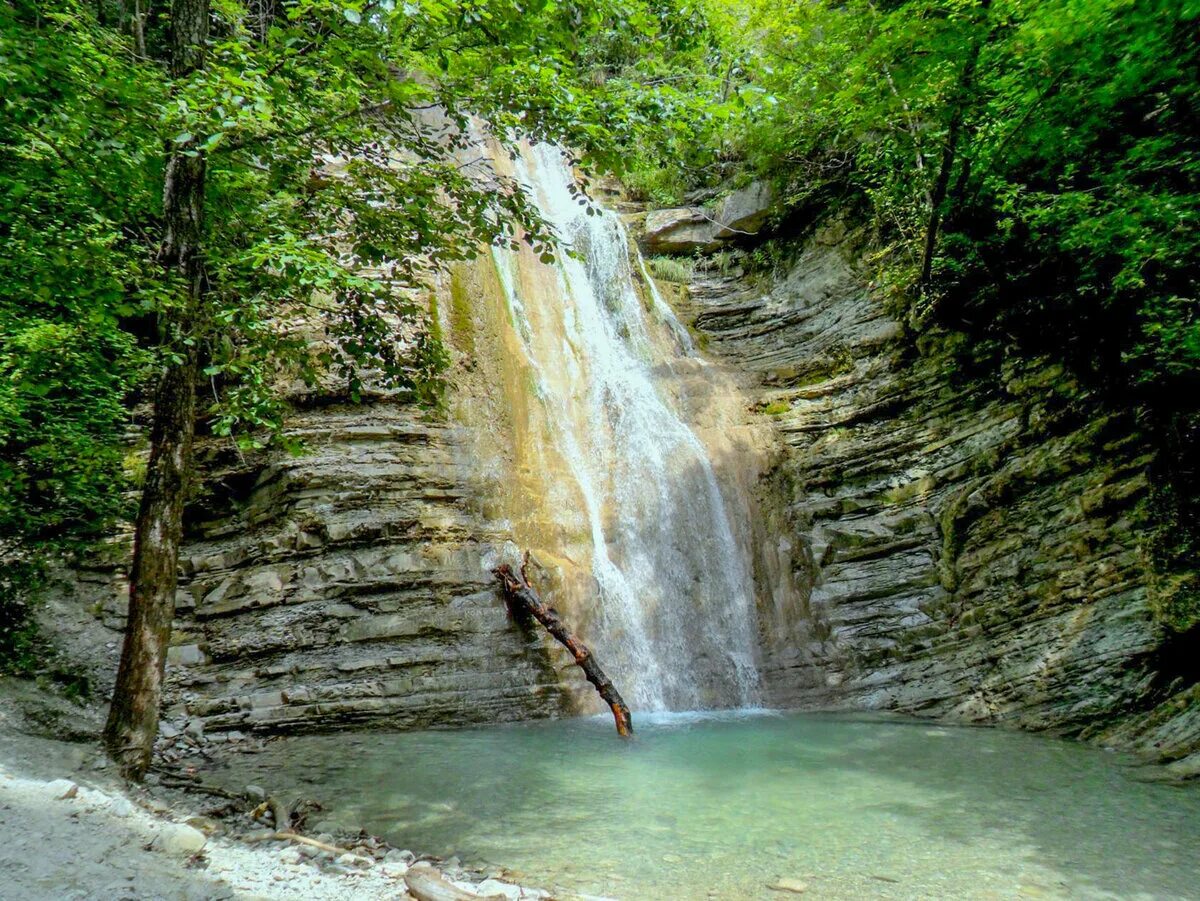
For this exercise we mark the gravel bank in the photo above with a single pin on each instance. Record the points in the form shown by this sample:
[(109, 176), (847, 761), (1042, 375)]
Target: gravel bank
[(68, 832)]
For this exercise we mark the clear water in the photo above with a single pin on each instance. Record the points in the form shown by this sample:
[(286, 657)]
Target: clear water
[(718, 806)]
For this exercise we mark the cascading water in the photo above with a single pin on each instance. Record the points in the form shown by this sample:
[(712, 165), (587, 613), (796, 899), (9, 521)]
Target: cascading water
[(673, 619)]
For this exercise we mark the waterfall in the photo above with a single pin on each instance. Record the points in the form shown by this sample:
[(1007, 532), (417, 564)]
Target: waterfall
[(673, 613)]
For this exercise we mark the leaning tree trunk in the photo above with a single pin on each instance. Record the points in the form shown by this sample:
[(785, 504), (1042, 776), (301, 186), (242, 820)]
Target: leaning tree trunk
[(133, 717), (522, 598)]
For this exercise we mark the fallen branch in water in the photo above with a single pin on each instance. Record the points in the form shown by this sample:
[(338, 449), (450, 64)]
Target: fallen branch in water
[(292, 837), (522, 598)]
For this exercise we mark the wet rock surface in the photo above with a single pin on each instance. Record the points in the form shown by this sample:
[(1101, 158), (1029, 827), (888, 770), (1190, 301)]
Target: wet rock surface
[(949, 536), (939, 533), (340, 586)]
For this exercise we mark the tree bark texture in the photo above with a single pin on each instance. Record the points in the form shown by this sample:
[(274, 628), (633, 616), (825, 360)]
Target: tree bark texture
[(522, 598), (133, 717), (958, 115)]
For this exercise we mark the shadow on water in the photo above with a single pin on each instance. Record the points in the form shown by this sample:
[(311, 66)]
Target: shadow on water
[(700, 805)]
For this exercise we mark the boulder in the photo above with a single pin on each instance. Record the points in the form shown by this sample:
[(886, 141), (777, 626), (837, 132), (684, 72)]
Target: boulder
[(692, 229), (681, 230), (746, 210), (181, 839), (794, 886), (62, 789), (494, 888)]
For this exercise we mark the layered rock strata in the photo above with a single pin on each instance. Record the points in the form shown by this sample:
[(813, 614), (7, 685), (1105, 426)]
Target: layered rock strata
[(964, 537), (350, 584)]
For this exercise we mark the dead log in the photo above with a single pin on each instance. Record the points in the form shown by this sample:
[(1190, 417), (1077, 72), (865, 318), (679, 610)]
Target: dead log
[(289, 836), (426, 884), (522, 599)]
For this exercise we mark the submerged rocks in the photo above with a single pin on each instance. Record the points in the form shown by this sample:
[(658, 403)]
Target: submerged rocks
[(789, 886)]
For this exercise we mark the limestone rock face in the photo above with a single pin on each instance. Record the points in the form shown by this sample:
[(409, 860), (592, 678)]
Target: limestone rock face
[(934, 531), (746, 210), (343, 585), (966, 536)]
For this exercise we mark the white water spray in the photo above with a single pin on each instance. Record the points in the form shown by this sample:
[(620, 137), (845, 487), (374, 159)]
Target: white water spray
[(675, 617)]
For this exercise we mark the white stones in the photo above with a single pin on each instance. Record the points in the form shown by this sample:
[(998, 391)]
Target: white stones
[(62, 789), (120, 807), (496, 889), (393, 868), (355, 861), (290, 856), (180, 839), (207, 825)]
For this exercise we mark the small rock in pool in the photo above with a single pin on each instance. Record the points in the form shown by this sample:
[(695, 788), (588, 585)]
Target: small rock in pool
[(121, 807), (795, 886)]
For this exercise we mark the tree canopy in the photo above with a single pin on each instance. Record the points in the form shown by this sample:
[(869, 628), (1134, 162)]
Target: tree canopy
[(323, 132), (1030, 168)]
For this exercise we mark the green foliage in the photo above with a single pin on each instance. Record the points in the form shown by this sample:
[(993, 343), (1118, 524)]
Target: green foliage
[(341, 145), (676, 270), (1073, 192), (1039, 159), (72, 279)]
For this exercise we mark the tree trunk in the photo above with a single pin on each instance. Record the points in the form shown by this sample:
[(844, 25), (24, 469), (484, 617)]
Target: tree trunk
[(133, 717), (137, 28), (522, 598), (958, 113)]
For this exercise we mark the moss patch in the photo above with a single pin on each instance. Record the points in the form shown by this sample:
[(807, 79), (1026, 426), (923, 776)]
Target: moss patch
[(462, 327)]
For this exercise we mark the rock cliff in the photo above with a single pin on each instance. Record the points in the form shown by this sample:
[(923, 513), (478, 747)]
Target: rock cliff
[(936, 530), (341, 585), (946, 533)]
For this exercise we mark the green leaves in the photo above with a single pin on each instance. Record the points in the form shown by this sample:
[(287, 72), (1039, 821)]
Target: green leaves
[(340, 141)]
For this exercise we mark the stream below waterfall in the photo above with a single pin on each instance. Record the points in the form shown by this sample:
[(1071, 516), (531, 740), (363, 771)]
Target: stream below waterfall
[(720, 805)]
